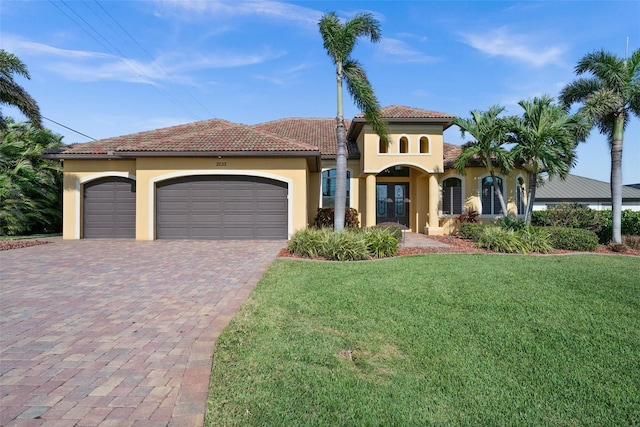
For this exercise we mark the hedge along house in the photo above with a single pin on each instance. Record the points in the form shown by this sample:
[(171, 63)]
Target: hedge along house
[(220, 180)]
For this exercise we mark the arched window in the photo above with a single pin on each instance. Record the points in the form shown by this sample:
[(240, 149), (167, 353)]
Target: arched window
[(424, 145), (489, 197), (452, 196), (329, 188), (404, 145), (520, 196), (382, 147)]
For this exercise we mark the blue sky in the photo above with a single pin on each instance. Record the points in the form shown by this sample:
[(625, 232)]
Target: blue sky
[(108, 68)]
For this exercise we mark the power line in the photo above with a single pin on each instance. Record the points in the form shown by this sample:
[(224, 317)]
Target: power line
[(116, 52), (155, 61), (67, 127)]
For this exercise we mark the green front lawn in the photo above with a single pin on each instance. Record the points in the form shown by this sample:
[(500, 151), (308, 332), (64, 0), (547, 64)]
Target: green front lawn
[(435, 340)]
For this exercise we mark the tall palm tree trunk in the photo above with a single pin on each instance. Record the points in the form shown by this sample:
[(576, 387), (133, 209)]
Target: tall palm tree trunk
[(533, 186), (341, 159), (616, 177), (498, 192)]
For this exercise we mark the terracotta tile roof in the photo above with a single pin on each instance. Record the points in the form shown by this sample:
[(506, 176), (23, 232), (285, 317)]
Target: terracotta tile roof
[(205, 136), (402, 112), (450, 154), (318, 132)]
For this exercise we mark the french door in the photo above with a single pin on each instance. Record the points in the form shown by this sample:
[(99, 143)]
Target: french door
[(392, 203)]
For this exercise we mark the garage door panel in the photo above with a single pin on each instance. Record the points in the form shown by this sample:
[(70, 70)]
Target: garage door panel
[(222, 207), (109, 208)]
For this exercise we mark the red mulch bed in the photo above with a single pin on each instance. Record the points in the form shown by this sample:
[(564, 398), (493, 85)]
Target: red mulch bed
[(464, 246), (6, 245)]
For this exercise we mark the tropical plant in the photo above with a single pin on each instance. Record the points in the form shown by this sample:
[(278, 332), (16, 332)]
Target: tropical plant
[(12, 93), (339, 40), (489, 132), (545, 139), (609, 97), (30, 187)]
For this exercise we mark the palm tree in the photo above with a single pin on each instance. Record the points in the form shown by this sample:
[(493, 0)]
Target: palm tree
[(546, 137), (489, 132), (12, 93), (30, 186), (339, 40), (609, 97)]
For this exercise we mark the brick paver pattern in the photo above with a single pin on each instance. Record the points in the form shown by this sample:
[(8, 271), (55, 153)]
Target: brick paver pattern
[(118, 332)]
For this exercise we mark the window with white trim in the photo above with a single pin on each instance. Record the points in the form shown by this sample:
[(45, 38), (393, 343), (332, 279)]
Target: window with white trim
[(424, 145), (452, 196), (404, 145), (489, 197), (329, 188)]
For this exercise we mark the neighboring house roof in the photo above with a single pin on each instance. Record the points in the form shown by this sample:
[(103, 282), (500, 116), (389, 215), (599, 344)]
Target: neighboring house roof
[(450, 154), (580, 189), (319, 132), (634, 186)]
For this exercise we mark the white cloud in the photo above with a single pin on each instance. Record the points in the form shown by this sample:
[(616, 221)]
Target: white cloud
[(94, 66), (398, 51), (266, 9), (500, 42)]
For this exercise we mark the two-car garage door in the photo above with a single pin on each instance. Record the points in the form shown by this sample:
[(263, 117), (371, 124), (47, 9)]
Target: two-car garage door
[(194, 207), (221, 207)]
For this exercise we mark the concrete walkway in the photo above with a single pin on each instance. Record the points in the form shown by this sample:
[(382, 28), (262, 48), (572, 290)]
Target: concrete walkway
[(417, 240), (117, 332)]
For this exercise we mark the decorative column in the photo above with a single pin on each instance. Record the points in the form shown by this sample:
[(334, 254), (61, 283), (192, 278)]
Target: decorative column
[(370, 200), (434, 199)]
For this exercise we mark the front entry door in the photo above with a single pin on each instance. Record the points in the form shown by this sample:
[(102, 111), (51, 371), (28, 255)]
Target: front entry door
[(392, 203)]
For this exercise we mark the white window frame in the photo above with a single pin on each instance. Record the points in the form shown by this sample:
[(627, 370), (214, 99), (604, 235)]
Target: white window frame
[(462, 190), (349, 185), (504, 192)]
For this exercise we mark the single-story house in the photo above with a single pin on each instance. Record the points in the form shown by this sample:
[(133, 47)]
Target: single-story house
[(215, 179), (585, 191)]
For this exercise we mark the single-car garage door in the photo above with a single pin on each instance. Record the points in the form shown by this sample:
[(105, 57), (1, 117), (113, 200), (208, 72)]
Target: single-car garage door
[(221, 207), (109, 208)]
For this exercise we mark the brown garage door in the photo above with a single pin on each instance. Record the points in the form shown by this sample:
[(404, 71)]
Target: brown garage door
[(221, 208), (109, 208)]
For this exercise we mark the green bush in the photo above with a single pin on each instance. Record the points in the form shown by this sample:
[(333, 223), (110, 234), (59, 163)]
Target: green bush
[(395, 230), (510, 222), (500, 239), (471, 230), (309, 242), (573, 239), (348, 245), (535, 240), (324, 218), (383, 241), (571, 215), (629, 225), (345, 246)]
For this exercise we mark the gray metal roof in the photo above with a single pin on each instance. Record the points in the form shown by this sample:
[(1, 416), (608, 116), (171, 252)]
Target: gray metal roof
[(577, 188)]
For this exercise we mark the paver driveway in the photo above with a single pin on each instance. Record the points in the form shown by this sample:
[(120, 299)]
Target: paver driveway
[(117, 332)]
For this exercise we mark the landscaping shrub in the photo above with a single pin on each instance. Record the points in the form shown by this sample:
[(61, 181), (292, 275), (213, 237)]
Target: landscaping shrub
[(348, 245), (395, 230), (568, 215), (573, 239), (471, 230), (345, 246), (308, 243), (510, 222), (324, 218), (618, 247), (580, 216), (500, 239), (535, 240), (632, 242), (383, 241), (470, 215)]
